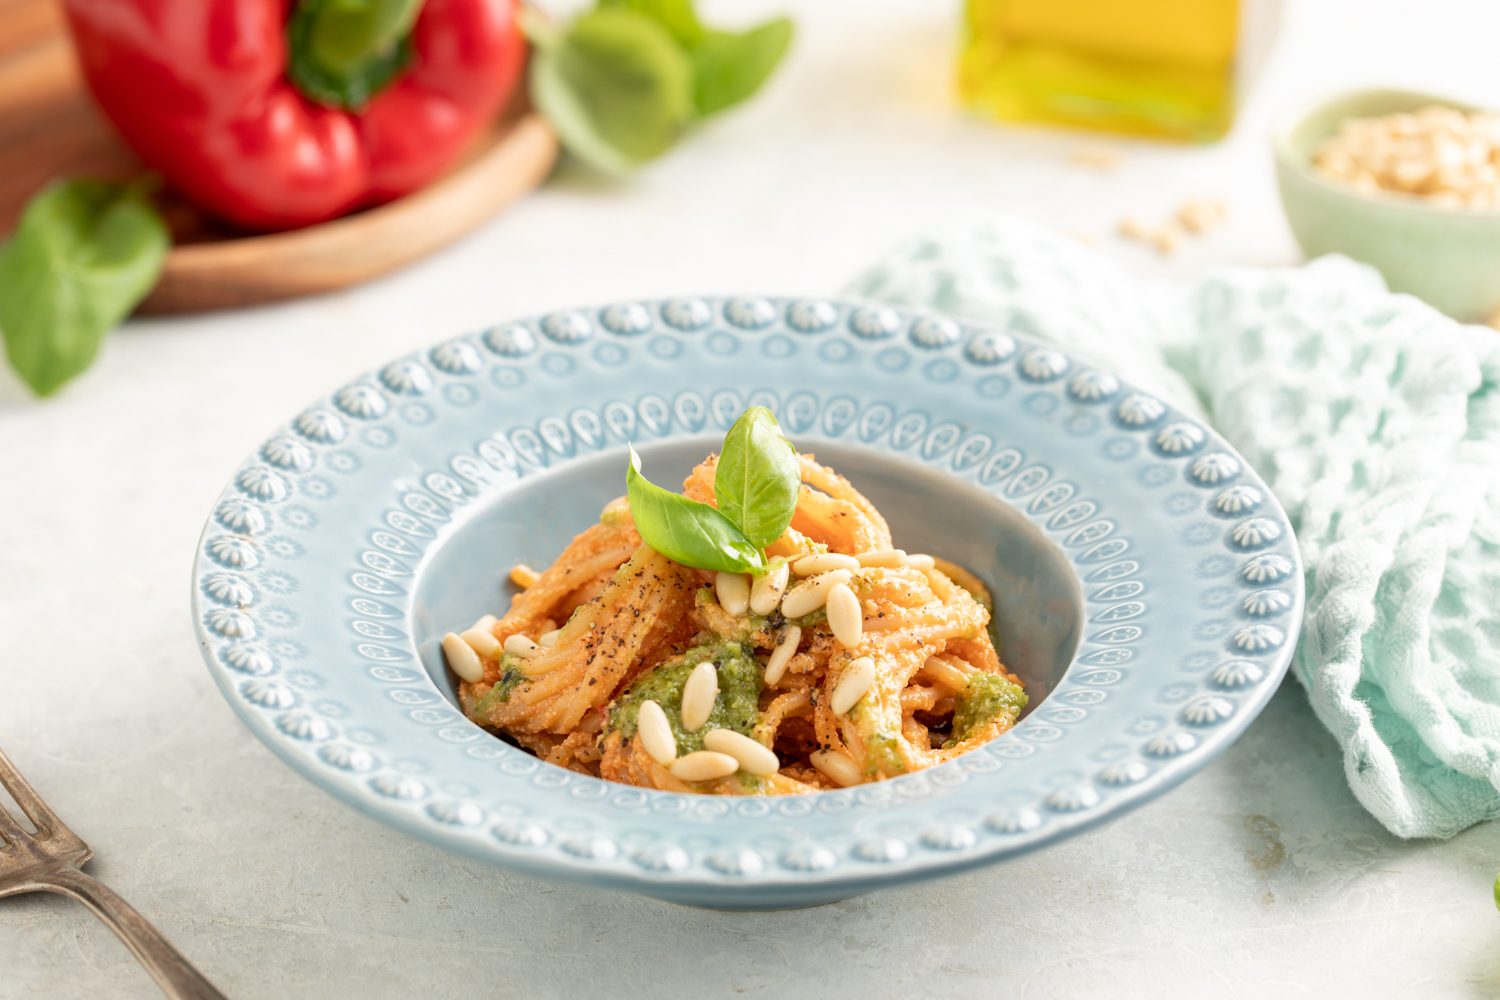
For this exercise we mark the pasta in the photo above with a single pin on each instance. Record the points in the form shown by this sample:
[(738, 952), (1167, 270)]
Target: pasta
[(598, 661)]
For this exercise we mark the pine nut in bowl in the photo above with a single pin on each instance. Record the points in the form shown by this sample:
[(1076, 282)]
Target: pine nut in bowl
[(354, 595), (1429, 221)]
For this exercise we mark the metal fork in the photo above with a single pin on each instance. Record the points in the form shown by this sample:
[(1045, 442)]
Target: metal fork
[(50, 861)]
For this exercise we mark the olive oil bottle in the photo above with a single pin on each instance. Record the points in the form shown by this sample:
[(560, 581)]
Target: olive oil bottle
[(1162, 68)]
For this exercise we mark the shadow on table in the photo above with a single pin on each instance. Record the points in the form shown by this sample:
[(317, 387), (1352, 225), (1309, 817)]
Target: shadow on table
[(1251, 873), (1260, 876), (1313, 844)]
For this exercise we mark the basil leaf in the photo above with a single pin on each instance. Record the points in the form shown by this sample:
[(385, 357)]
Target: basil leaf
[(687, 531), (615, 86), (84, 254), (677, 16), (729, 67), (757, 478)]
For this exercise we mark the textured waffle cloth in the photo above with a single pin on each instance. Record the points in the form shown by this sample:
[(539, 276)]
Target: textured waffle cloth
[(1374, 418)]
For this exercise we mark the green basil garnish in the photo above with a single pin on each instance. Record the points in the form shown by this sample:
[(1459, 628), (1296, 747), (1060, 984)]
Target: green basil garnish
[(758, 477), (621, 83), (614, 84), (85, 253), (677, 16), (729, 67), (756, 483), (686, 531)]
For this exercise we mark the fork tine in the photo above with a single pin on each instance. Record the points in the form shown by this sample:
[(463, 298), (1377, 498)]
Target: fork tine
[(30, 802), (11, 832)]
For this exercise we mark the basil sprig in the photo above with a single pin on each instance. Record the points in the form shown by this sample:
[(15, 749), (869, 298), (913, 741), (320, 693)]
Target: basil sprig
[(85, 253), (758, 477), (621, 83), (686, 531), (756, 485), (729, 67), (677, 16), (614, 86)]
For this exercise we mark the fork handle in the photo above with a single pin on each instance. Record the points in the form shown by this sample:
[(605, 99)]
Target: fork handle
[(171, 970)]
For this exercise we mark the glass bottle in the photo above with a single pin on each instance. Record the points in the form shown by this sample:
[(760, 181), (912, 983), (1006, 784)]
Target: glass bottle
[(1162, 68)]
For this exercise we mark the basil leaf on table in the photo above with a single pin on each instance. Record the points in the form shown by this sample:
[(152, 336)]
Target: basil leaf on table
[(614, 84), (84, 254), (758, 477), (677, 16), (685, 530), (729, 67)]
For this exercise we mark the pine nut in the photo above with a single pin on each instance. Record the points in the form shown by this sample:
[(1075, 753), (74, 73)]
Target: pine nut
[(485, 622), (524, 576), (656, 733), (1439, 154), (1166, 239), (754, 758), (836, 766), (549, 639), (1132, 228), (811, 594), (483, 642), (520, 645), (1098, 157), (698, 696), (462, 658), (845, 616), (766, 591), (920, 561), (852, 685), (1198, 215), (704, 765), (786, 648), (884, 558), (824, 562), (734, 592)]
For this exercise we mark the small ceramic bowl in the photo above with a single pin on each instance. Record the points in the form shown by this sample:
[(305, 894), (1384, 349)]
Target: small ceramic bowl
[(1449, 257)]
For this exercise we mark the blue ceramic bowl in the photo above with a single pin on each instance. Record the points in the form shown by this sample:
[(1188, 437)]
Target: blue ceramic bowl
[(1147, 584)]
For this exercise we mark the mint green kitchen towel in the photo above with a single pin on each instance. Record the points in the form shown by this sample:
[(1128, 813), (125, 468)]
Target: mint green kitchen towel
[(1374, 418)]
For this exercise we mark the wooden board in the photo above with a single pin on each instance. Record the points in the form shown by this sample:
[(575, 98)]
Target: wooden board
[(49, 129)]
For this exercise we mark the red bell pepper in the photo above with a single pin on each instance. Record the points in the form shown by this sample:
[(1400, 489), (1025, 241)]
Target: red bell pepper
[(201, 90)]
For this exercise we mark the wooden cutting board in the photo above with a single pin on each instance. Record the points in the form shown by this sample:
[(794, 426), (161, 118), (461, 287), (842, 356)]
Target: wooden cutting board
[(50, 129)]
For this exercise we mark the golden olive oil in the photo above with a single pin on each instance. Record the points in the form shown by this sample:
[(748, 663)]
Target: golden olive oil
[(1162, 68)]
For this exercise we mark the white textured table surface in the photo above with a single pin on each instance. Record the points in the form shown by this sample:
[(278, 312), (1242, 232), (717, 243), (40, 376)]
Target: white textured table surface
[(1261, 876)]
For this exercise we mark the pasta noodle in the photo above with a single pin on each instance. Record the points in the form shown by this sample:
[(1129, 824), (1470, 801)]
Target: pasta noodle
[(619, 624)]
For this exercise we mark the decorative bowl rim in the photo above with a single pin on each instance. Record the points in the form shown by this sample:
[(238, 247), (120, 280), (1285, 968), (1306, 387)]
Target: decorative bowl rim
[(319, 746)]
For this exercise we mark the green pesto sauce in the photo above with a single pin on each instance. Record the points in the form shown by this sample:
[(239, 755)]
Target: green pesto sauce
[(750, 623), (882, 753), (775, 620), (987, 697), (747, 623), (817, 617), (511, 677), (737, 707)]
